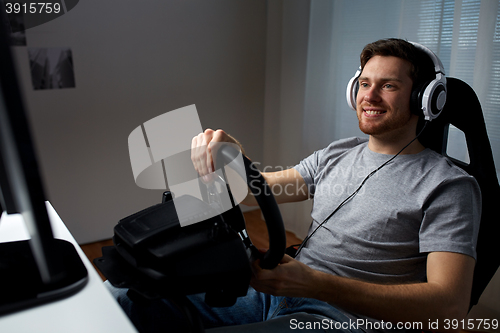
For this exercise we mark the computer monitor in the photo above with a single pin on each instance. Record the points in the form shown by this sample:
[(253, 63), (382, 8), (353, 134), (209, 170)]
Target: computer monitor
[(42, 268)]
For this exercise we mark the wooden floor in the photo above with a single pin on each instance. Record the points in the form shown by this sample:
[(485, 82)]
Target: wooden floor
[(256, 228)]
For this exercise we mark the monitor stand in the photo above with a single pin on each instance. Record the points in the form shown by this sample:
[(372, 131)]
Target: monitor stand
[(21, 283)]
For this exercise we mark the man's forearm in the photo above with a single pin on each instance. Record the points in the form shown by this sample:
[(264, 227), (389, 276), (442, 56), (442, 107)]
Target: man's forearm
[(286, 186), (417, 302), (445, 296)]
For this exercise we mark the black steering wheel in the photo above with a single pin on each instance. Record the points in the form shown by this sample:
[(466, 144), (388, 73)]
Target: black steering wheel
[(263, 194)]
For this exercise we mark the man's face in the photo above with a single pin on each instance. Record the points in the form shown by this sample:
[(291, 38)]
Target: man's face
[(383, 100)]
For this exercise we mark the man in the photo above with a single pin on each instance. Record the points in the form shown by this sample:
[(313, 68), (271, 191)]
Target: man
[(400, 251)]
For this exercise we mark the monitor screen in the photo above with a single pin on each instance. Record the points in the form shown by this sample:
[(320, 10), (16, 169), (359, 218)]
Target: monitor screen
[(51, 264)]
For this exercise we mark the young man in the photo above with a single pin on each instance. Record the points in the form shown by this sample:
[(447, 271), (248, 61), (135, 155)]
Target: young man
[(399, 254)]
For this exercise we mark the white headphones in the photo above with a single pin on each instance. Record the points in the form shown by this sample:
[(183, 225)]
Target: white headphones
[(428, 98)]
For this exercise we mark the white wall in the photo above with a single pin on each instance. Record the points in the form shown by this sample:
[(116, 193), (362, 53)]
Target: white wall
[(286, 71), (135, 60)]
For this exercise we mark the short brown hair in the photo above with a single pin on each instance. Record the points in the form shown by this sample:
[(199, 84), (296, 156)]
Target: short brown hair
[(421, 65)]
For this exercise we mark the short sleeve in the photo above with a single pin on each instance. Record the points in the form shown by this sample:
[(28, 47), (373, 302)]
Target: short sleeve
[(307, 169), (312, 165), (451, 217)]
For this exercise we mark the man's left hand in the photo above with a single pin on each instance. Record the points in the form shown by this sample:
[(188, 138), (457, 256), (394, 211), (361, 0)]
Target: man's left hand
[(290, 278)]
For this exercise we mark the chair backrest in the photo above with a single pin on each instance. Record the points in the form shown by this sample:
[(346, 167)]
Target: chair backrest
[(463, 110)]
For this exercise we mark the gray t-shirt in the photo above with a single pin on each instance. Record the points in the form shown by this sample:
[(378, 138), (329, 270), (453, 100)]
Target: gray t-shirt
[(416, 204)]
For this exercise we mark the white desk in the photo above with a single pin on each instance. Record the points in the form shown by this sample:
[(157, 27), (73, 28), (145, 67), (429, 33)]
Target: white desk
[(92, 310)]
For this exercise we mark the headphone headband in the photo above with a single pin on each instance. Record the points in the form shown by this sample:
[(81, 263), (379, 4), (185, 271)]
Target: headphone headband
[(428, 98), (438, 65)]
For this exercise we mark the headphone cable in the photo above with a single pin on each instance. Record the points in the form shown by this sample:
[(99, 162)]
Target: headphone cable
[(357, 190)]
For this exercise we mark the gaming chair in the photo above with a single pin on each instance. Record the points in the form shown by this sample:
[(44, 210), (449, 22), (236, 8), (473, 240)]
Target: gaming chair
[(463, 111)]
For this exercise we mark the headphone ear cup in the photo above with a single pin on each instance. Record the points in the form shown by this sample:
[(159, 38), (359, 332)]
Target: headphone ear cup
[(352, 90), (437, 99), (355, 90), (428, 99)]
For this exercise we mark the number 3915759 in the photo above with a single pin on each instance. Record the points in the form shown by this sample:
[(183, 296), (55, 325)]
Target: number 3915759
[(33, 8), (471, 324)]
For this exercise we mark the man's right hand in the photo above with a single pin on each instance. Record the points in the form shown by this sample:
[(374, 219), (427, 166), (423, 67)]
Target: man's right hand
[(202, 151), (286, 185)]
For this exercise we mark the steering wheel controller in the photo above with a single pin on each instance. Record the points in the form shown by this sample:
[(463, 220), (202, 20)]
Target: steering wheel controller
[(155, 257)]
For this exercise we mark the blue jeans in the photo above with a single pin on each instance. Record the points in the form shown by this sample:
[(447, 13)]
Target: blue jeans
[(256, 312)]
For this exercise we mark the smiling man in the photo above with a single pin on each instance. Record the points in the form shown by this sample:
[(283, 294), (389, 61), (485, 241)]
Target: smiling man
[(383, 99), (383, 102), (394, 251)]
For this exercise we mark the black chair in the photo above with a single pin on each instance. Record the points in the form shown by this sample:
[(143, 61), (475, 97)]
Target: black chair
[(463, 110)]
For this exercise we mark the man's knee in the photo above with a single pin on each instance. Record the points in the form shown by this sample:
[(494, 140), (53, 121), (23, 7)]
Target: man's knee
[(120, 295)]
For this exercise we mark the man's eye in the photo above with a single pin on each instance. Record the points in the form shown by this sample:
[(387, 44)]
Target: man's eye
[(388, 86), (364, 85)]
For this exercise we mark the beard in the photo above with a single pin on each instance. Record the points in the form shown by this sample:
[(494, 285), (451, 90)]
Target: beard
[(388, 123)]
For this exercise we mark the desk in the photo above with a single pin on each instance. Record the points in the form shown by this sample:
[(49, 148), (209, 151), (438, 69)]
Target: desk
[(92, 310)]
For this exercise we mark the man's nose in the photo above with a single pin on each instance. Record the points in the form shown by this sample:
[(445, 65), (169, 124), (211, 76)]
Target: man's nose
[(372, 95)]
